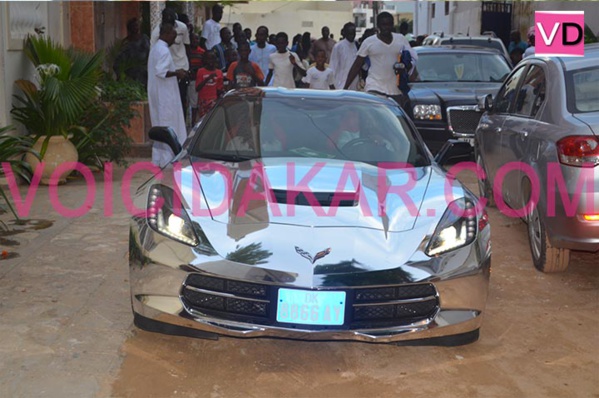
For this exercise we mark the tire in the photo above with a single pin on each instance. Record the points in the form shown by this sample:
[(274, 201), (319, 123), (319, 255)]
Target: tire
[(545, 257), (485, 190)]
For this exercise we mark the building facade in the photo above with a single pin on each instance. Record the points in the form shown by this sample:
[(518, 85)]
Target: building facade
[(476, 17)]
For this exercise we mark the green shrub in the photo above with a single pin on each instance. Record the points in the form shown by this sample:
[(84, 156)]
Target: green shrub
[(122, 90), (106, 139), (66, 87), (12, 150)]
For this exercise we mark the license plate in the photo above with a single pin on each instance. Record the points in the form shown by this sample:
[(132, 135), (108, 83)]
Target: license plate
[(310, 307), (468, 140)]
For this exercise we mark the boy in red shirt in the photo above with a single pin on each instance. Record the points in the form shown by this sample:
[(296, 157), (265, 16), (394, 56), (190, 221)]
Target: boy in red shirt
[(196, 61), (244, 73), (209, 84)]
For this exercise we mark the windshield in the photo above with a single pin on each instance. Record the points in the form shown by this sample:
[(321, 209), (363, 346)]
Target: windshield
[(460, 67), (243, 128), (583, 95)]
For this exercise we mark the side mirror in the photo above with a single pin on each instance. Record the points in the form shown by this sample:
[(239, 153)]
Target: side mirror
[(166, 135), (454, 150), (488, 103)]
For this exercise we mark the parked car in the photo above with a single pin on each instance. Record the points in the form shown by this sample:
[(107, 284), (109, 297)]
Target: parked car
[(447, 86), (543, 126), (479, 41), (301, 247)]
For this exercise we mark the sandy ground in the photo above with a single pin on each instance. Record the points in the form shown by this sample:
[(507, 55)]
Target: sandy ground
[(539, 339)]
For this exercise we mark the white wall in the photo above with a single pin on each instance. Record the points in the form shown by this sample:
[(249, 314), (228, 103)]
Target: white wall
[(421, 19), (17, 19), (288, 16), (466, 18), (440, 23)]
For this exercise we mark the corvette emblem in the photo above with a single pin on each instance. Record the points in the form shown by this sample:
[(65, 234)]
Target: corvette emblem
[(317, 256)]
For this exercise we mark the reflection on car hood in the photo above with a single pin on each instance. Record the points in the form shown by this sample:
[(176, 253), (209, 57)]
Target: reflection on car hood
[(443, 92), (354, 183), (351, 243)]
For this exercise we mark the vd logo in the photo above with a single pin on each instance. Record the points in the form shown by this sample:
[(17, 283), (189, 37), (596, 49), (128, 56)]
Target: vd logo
[(559, 33)]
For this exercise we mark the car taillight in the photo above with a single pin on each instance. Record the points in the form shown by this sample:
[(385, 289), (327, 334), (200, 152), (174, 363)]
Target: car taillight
[(578, 150), (590, 217)]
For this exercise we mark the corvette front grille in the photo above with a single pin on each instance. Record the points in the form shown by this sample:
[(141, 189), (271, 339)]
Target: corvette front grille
[(424, 309), (227, 286), (367, 307), (406, 303)]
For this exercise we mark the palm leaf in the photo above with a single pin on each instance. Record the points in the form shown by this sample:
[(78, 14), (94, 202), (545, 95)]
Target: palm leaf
[(64, 95)]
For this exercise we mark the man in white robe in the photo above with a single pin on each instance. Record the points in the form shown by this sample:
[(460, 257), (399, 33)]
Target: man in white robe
[(343, 57), (163, 93)]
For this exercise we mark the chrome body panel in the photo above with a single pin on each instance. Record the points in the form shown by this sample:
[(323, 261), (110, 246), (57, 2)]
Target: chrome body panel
[(159, 266)]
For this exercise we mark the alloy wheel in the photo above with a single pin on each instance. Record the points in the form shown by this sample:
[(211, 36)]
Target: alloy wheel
[(534, 234)]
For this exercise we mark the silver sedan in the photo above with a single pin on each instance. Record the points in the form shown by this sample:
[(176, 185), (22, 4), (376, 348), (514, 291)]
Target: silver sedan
[(538, 147)]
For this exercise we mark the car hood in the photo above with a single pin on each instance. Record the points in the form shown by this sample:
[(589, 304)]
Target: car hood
[(262, 188), (457, 93), (308, 250)]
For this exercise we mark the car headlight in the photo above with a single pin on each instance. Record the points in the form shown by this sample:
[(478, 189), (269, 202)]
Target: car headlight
[(163, 218), (427, 112), (456, 229)]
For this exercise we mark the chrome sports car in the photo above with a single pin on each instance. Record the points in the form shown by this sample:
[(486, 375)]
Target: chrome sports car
[(309, 215)]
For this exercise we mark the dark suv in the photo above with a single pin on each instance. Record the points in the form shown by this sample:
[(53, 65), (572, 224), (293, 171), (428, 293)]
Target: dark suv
[(448, 84)]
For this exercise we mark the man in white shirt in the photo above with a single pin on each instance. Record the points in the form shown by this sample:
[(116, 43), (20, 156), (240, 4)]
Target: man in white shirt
[(283, 63), (211, 31), (344, 55), (178, 50), (163, 93), (383, 50), (260, 52)]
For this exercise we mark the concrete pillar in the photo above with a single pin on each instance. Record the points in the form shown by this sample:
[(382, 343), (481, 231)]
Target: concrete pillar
[(189, 10), (156, 8), (83, 33)]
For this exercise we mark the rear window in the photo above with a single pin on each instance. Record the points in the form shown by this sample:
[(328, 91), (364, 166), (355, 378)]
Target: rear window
[(477, 42), (582, 92)]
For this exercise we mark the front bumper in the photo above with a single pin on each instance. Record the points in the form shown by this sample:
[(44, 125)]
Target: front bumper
[(435, 135), (157, 282)]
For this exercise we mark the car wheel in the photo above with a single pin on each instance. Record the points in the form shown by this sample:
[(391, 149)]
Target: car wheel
[(545, 257), (484, 186)]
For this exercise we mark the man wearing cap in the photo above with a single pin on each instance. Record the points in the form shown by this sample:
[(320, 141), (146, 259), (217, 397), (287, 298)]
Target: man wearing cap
[(531, 41)]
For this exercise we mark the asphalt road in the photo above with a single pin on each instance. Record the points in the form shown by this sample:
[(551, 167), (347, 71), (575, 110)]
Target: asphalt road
[(67, 330)]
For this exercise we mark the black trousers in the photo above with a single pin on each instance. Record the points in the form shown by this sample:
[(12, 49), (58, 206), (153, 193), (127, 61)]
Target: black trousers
[(183, 93)]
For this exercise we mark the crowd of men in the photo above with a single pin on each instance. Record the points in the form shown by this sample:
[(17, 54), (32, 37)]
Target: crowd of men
[(187, 71)]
